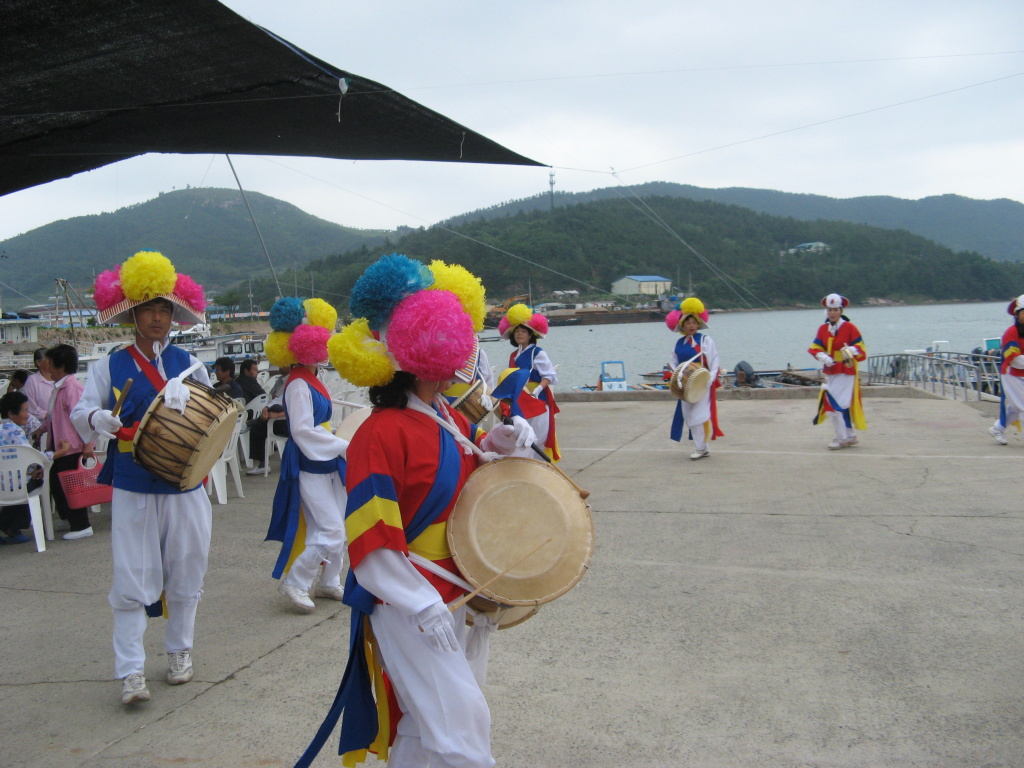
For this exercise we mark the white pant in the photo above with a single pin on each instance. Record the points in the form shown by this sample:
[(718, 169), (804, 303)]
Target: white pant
[(323, 505), (160, 543), (445, 721), (1013, 400)]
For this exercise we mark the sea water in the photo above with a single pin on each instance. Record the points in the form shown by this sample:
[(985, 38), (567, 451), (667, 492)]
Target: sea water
[(768, 340)]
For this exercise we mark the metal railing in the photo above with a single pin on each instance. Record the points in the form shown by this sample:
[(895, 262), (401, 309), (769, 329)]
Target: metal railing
[(954, 375)]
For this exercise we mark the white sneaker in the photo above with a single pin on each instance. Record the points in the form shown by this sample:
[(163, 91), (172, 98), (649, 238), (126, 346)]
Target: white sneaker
[(999, 436), (179, 667), (335, 592), (297, 597), (848, 442), (82, 534), (133, 689), (835, 445), (700, 454), (256, 471)]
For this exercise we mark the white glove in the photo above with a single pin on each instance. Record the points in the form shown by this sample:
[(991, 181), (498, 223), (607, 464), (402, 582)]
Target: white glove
[(106, 424), (437, 623), (1017, 362), (823, 358), (520, 431)]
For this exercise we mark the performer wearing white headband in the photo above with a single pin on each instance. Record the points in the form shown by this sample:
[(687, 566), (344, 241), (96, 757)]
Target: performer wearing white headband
[(838, 346), (1011, 374), (407, 464), (160, 535)]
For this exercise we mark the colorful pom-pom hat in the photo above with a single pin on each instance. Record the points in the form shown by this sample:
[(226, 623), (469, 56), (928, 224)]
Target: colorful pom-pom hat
[(409, 317), (691, 307), (146, 276), (1015, 306), (300, 331), (835, 301), (520, 314)]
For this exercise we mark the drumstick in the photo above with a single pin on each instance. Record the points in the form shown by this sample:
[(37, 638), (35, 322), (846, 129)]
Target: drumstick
[(120, 398), (466, 598), (540, 452)]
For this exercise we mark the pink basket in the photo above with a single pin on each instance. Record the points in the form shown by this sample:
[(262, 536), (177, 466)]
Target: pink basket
[(80, 486)]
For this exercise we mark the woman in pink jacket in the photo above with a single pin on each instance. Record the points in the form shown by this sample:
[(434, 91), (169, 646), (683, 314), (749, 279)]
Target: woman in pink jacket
[(63, 364)]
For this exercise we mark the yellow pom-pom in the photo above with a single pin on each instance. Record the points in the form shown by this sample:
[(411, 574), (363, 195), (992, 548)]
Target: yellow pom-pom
[(518, 314), (691, 306), (466, 286), (276, 349), (146, 275), (321, 313), (359, 357)]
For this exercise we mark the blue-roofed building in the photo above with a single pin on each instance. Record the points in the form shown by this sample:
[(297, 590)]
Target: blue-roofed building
[(634, 285)]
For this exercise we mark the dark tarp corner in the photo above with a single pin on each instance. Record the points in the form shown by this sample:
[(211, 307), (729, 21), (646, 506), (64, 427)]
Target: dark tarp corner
[(91, 82)]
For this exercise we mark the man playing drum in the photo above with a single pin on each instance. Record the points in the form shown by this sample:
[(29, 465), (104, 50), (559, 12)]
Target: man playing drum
[(160, 535), (700, 417), (406, 467)]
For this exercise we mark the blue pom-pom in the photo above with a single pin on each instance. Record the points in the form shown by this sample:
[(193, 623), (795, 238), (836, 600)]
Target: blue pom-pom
[(286, 314), (385, 283)]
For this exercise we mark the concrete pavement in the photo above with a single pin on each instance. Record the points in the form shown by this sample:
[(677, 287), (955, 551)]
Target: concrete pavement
[(776, 604)]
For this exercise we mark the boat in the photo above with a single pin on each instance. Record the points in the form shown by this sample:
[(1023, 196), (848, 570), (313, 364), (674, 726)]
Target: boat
[(612, 378)]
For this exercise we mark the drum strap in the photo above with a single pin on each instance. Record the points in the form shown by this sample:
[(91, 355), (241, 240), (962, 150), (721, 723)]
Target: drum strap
[(466, 444), (147, 368), (437, 570)]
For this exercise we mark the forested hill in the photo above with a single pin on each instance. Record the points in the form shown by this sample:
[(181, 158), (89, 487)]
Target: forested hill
[(596, 243), (993, 228), (207, 233)]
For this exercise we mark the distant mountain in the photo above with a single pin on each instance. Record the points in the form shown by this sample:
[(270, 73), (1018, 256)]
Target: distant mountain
[(733, 256), (993, 228), (207, 233)]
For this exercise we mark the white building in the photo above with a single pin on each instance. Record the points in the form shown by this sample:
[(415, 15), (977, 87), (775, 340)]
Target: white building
[(634, 285)]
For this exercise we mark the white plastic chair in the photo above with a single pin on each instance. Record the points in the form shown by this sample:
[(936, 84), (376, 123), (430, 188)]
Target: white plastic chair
[(274, 440), (228, 459), (252, 410), (15, 461)]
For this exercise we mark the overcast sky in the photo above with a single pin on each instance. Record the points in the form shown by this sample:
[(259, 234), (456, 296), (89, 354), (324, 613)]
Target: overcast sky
[(908, 98)]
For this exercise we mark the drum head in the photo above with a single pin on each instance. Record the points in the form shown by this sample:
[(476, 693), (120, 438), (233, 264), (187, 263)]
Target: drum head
[(697, 386), (507, 509), (209, 449), (351, 423)]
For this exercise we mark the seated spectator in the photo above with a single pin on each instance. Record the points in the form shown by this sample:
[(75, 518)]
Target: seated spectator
[(13, 419), (63, 363), (247, 380), (224, 372), (273, 413)]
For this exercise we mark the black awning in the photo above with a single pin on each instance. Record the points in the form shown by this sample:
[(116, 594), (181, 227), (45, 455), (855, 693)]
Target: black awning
[(91, 82)]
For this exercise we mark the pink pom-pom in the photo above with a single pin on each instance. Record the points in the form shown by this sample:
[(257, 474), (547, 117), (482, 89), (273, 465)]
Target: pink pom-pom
[(188, 289), (672, 319), (430, 335), (539, 323), (704, 315), (309, 344), (502, 326), (107, 291)]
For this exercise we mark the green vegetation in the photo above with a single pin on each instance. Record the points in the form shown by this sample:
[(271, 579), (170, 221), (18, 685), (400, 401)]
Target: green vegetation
[(582, 246), (207, 233), (596, 243)]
